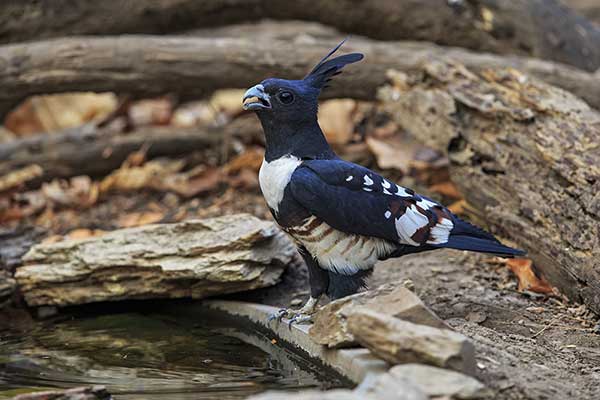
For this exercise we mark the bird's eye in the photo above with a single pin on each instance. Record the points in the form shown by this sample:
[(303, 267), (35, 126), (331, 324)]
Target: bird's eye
[(286, 97)]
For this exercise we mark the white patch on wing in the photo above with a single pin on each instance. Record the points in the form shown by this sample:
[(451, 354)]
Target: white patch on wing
[(274, 176), (342, 252), (408, 224), (349, 178), (368, 181), (426, 204), (402, 192), (367, 189), (388, 214), (386, 192), (439, 232), (386, 184)]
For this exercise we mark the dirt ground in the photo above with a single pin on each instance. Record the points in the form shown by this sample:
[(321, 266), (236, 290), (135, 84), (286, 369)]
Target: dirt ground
[(528, 346)]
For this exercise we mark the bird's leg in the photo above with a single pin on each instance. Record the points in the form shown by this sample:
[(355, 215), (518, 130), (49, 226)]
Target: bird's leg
[(318, 279)]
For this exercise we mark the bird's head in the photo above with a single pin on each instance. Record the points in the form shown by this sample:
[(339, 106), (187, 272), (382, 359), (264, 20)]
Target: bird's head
[(281, 101)]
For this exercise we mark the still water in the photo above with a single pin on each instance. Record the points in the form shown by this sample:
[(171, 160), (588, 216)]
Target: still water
[(177, 352)]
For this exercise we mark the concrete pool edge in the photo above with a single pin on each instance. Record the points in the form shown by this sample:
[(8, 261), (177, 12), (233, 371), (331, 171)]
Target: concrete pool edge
[(354, 364)]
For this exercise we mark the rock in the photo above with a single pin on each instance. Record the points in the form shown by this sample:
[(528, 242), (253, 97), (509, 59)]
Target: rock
[(80, 393), (401, 389), (392, 388), (195, 259), (7, 288), (437, 382), (336, 394), (400, 342), (330, 326)]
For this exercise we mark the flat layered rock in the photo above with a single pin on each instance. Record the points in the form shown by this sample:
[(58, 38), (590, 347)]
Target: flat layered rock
[(401, 342), (330, 326), (81, 393), (197, 258), (436, 382)]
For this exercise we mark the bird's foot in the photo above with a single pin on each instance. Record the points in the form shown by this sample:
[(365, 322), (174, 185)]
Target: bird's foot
[(296, 316)]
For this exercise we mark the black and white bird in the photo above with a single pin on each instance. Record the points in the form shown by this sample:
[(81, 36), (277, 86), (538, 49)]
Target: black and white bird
[(342, 216)]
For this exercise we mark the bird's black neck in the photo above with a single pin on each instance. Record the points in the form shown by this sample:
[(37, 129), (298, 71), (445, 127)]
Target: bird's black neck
[(305, 141)]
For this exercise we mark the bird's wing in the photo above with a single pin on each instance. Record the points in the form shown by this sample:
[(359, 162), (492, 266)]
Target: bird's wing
[(356, 200)]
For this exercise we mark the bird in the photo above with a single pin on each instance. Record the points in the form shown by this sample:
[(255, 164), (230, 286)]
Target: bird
[(343, 217)]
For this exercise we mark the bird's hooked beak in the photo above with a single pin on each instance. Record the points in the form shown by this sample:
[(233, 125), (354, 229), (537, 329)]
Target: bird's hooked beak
[(257, 97)]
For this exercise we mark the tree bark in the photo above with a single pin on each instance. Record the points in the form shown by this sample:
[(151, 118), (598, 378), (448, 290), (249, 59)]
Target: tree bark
[(526, 155), (539, 28), (193, 67), (97, 151)]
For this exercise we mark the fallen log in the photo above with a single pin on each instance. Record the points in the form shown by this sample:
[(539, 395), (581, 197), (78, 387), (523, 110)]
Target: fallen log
[(194, 67), (540, 28), (197, 258), (524, 154), (89, 150)]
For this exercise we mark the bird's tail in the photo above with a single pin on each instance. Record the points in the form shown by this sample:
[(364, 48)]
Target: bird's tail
[(465, 236), (462, 242)]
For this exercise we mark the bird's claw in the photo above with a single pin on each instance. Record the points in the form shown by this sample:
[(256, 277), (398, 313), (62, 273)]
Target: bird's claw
[(279, 315), (299, 319)]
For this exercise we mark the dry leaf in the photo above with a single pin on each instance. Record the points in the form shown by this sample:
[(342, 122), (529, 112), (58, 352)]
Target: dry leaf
[(139, 218), (336, 120), (151, 112), (250, 159), (228, 101), (21, 205), (20, 176), (392, 153), (187, 184), (447, 189), (81, 233), (57, 112), (79, 191), (149, 175), (528, 278), (199, 113)]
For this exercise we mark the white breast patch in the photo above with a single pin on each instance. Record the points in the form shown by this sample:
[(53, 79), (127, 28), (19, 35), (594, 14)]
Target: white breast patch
[(274, 176), (338, 251)]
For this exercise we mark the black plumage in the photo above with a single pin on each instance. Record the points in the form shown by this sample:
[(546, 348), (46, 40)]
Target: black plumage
[(344, 217)]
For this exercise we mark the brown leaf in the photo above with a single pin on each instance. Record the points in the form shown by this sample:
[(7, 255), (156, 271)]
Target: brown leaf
[(528, 277), (199, 113), (336, 120), (20, 176), (391, 153), (21, 205), (447, 189), (57, 112), (149, 175), (250, 159), (79, 191), (139, 218), (187, 184), (227, 101), (151, 111)]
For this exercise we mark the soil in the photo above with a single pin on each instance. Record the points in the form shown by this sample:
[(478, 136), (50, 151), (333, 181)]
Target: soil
[(528, 346)]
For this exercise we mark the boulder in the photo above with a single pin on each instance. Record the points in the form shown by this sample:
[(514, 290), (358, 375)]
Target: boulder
[(196, 258), (80, 393), (330, 326), (400, 342)]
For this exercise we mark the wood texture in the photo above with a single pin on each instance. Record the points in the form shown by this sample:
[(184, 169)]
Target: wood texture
[(539, 28), (194, 67), (525, 154)]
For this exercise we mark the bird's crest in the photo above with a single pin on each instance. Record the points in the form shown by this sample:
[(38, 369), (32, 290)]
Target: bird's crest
[(324, 71)]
